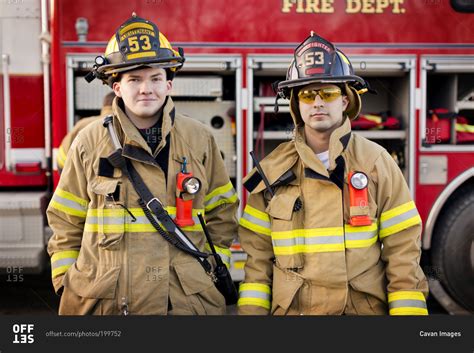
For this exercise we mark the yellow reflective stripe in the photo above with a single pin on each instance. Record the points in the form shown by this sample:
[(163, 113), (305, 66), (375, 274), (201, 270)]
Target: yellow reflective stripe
[(259, 287), (255, 302), (256, 294), (255, 220), (221, 195), (308, 241), (360, 237), (59, 271), (217, 191), (67, 195), (405, 295), (464, 128), (254, 227), (224, 253), (67, 210), (263, 216), (61, 157), (407, 303), (62, 260), (116, 220), (303, 248), (212, 206), (68, 203), (385, 216), (408, 311), (64, 254), (398, 219)]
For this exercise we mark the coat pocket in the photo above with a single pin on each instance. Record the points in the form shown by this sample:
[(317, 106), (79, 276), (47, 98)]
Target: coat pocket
[(108, 219), (201, 293), (286, 285), (285, 222), (369, 291), (85, 287)]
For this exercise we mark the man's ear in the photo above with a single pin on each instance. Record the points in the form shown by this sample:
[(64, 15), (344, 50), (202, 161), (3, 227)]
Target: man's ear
[(169, 86), (116, 88), (345, 102)]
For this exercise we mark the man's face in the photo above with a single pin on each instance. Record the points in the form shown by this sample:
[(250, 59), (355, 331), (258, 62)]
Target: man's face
[(143, 91), (320, 114)]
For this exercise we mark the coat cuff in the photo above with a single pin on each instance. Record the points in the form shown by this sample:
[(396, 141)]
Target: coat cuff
[(254, 299), (407, 303)]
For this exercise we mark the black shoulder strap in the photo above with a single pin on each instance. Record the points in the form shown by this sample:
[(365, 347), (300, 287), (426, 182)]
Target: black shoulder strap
[(152, 205)]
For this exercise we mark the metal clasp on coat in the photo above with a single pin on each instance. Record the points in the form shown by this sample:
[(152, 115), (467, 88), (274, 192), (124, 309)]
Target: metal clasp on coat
[(213, 276), (125, 311), (153, 199)]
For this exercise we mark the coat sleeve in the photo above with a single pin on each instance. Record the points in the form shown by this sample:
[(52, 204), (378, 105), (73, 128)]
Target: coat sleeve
[(220, 203), (400, 233), (66, 214), (68, 139), (255, 238)]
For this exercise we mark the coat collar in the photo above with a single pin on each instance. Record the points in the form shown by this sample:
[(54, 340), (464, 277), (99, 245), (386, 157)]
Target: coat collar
[(337, 144), (131, 138)]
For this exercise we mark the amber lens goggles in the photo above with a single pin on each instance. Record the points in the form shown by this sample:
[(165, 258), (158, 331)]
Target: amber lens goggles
[(327, 94)]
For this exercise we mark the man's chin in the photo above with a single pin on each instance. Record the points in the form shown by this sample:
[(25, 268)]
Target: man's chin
[(320, 127), (147, 113)]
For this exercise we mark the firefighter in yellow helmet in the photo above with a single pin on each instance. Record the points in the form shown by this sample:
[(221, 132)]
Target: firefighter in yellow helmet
[(336, 232), (108, 253)]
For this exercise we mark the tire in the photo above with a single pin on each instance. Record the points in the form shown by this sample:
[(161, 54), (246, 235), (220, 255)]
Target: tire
[(453, 248)]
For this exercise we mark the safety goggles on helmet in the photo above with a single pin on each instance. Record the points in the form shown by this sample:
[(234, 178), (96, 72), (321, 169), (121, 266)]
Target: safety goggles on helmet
[(137, 43), (327, 94)]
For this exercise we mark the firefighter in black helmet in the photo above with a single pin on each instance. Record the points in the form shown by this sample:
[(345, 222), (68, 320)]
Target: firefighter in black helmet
[(338, 232), (106, 255)]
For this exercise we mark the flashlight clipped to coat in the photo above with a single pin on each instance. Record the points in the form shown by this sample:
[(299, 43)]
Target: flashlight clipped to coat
[(358, 194), (186, 184)]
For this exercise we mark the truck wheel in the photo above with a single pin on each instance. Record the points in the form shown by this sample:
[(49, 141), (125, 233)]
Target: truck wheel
[(453, 249)]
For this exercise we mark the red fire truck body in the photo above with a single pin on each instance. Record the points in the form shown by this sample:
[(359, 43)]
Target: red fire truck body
[(418, 55)]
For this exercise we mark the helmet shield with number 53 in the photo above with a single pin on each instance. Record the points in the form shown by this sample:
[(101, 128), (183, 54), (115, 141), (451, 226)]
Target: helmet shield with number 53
[(317, 60), (137, 43)]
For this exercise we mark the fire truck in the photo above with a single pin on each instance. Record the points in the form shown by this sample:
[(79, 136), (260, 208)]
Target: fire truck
[(418, 56)]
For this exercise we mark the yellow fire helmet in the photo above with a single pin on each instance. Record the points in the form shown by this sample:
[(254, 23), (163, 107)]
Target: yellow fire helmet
[(137, 43)]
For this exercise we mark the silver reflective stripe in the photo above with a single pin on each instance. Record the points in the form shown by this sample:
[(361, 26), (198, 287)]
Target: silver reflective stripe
[(256, 220), (226, 195), (399, 219), (407, 303), (361, 235), (254, 294), (224, 257), (69, 203), (62, 262), (116, 220), (308, 241)]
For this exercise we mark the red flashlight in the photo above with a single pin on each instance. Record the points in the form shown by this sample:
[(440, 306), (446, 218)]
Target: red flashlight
[(358, 183)]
